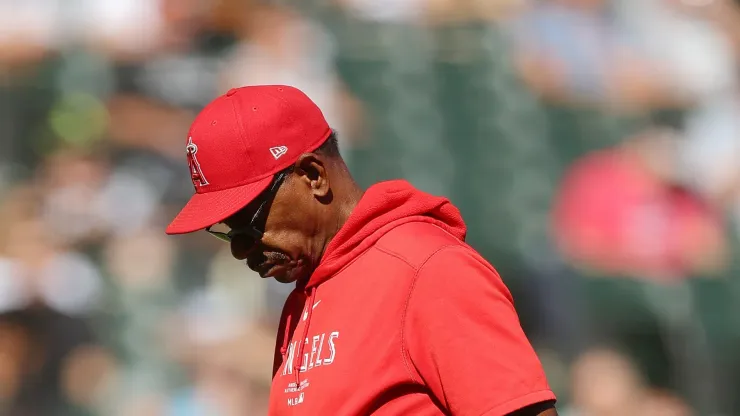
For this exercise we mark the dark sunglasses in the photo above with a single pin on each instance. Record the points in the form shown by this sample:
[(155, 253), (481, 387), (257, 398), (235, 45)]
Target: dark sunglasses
[(255, 229)]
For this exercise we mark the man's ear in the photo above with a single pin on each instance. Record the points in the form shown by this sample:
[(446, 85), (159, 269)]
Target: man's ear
[(310, 169)]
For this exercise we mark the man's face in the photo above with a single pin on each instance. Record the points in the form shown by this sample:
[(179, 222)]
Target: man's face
[(285, 219)]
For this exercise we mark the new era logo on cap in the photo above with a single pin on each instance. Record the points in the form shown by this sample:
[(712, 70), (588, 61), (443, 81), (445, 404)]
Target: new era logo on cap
[(278, 151)]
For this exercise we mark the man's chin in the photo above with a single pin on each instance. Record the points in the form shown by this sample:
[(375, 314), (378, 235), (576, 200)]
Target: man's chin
[(285, 278), (284, 273), (292, 275)]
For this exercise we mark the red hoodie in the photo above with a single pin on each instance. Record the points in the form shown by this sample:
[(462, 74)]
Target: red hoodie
[(403, 318)]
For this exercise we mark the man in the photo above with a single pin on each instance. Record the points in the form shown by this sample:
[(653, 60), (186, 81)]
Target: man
[(393, 314)]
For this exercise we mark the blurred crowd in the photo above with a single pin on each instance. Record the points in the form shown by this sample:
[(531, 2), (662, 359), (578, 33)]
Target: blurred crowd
[(593, 147)]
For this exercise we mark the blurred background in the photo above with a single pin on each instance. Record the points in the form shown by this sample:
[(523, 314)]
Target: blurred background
[(593, 147)]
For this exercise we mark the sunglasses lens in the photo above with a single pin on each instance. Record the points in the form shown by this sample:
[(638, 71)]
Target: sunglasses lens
[(250, 235), (221, 236)]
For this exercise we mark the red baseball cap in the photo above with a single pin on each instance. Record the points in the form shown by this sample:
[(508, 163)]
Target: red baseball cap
[(238, 143)]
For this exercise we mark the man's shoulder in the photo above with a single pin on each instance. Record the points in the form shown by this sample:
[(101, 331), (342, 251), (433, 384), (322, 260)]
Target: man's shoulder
[(416, 242)]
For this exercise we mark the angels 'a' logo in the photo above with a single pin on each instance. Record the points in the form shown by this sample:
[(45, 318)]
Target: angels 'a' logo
[(196, 173)]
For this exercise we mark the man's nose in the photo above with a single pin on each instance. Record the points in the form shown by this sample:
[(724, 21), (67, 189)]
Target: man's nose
[(241, 246)]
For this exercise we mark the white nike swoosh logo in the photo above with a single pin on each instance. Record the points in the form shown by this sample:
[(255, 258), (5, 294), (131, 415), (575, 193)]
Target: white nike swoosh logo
[(305, 314)]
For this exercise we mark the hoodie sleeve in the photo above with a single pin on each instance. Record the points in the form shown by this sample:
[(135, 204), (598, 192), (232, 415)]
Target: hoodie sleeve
[(463, 339)]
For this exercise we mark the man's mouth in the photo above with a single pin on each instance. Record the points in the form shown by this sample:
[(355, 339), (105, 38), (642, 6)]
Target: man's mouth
[(268, 270), (269, 264), (262, 268)]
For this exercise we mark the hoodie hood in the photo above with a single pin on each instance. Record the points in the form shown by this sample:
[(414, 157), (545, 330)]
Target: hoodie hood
[(383, 207)]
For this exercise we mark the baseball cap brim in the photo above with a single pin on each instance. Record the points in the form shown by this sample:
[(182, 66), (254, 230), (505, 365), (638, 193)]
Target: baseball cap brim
[(206, 209)]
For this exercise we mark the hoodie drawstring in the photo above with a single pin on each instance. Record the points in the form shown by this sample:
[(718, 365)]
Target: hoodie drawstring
[(286, 337), (303, 340)]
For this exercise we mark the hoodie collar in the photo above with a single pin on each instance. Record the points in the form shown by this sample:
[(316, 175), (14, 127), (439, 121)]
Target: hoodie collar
[(383, 207)]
